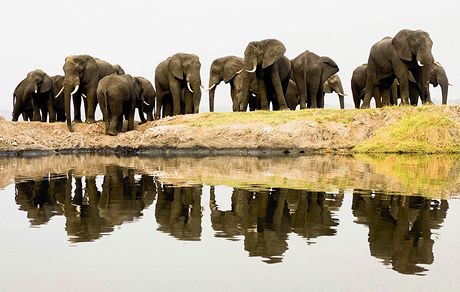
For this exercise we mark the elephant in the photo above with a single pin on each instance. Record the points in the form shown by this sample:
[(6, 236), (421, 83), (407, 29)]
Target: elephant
[(333, 84), (438, 76), (118, 96), (39, 88), (229, 69), (22, 104), (118, 70), (390, 58), (82, 75), (310, 72), (146, 103), (272, 70), (383, 90), (179, 78)]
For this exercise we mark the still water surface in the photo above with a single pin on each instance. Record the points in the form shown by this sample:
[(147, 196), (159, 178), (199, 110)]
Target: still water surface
[(327, 223)]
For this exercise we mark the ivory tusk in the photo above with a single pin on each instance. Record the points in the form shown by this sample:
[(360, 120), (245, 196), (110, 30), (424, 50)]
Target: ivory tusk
[(252, 70), (437, 63), (189, 88), (238, 72), (342, 94), (210, 88), (75, 90), (419, 63), (145, 103), (60, 91), (84, 96), (35, 91), (451, 84)]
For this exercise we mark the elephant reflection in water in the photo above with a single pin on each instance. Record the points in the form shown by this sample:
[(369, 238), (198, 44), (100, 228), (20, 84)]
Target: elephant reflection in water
[(89, 213), (178, 211), (400, 228), (38, 198), (265, 218)]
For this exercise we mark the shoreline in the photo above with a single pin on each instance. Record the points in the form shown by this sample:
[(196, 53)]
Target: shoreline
[(401, 130)]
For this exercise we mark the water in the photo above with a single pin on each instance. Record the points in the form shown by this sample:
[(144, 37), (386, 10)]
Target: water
[(326, 223)]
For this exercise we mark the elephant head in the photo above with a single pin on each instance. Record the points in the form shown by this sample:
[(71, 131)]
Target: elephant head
[(222, 69), (147, 98), (186, 67), (80, 71), (258, 54), (118, 70), (414, 48), (334, 84)]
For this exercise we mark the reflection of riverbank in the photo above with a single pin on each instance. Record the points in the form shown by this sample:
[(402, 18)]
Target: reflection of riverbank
[(434, 176)]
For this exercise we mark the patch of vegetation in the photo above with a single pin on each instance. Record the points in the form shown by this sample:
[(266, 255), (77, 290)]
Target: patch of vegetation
[(272, 118), (421, 130)]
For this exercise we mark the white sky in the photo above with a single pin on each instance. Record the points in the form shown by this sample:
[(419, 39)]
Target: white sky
[(138, 34)]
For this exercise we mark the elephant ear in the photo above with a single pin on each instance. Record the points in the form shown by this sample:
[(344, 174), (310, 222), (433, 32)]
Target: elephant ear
[(401, 45), (231, 68), (47, 84), (273, 51), (138, 88), (175, 66), (329, 68), (327, 87)]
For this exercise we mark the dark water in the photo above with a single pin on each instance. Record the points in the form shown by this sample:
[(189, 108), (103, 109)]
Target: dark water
[(141, 225)]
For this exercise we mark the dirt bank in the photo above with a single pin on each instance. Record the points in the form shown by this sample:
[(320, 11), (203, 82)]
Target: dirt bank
[(428, 129)]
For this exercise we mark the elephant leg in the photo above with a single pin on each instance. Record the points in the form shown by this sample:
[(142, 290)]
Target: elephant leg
[(413, 95), (50, 108), (77, 108), (302, 91), (234, 95), (36, 117), (312, 94), (91, 104), (276, 82), (159, 103), (106, 118), (262, 94), (114, 125), (385, 94), (176, 95), (131, 119), (402, 75), (377, 97)]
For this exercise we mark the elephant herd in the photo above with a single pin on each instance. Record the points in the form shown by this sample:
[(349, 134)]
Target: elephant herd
[(399, 67)]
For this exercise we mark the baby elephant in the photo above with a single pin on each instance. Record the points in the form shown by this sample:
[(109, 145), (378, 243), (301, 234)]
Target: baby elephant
[(117, 96)]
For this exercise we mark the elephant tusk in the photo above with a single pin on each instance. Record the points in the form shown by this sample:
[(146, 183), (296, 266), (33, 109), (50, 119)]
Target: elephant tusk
[(238, 72), (210, 88), (419, 63), (35, 91), (437, 63), (75, 90), (189, 88), (201, 86), (83, 95), (60, 91), (450, 84), (342, 94), (145, 103), (252, 70)]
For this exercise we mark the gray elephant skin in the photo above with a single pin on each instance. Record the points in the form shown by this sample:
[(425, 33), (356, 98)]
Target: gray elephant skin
[(272, 70), (82, 75), (34, 96), (118, 96), (229, 69), (178, 85), (146, 104), (333, 84), (310, 72), (390, 58)]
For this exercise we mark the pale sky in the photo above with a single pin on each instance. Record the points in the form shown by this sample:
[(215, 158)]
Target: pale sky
[(139, 34)]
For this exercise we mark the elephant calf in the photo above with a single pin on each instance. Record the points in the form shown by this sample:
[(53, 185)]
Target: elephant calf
[(117, 96)]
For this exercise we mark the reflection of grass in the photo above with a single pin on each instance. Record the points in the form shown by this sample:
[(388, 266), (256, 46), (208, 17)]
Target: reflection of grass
[(421, 131), (266, 117)]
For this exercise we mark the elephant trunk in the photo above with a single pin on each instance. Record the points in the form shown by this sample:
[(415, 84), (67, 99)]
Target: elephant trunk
[(69, 90), (444, 90), (243, 94), (211, 99), (196, 97)]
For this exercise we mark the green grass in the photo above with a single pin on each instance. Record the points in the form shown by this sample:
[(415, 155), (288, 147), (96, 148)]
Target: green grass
[(268, 117), (420, 131)]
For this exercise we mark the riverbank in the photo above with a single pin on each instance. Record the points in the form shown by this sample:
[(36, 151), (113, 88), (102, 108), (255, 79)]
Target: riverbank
[(424, 129)]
